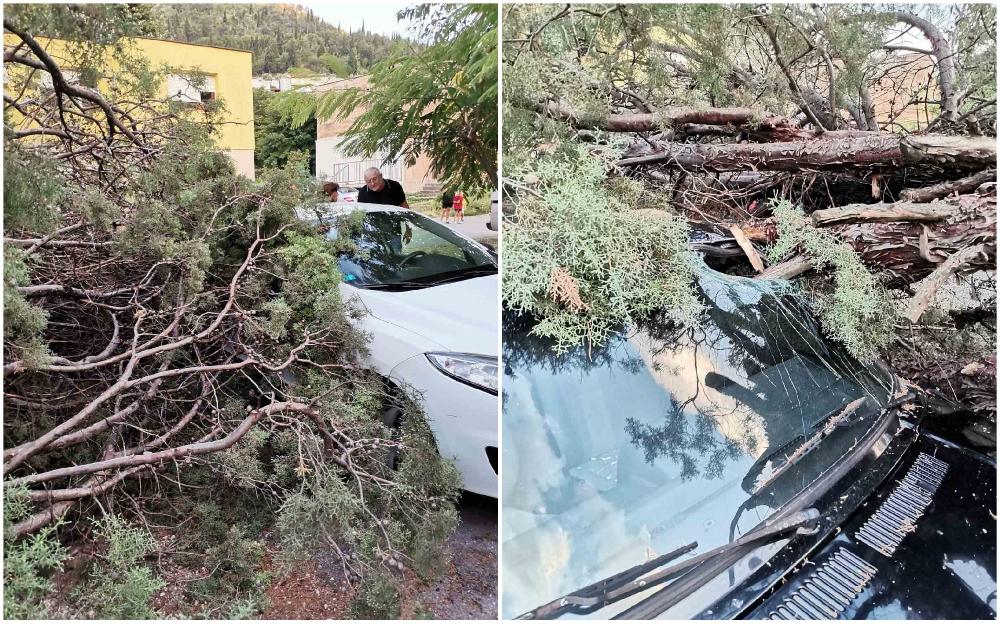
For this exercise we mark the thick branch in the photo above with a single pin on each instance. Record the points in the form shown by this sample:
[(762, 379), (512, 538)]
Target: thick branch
[(853, 150), (944, 189), (946, 65)]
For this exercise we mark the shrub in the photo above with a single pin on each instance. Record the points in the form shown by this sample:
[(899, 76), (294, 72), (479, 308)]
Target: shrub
[(28, 563), (582, 261), (377, 599), (857, 311), (119, 586)]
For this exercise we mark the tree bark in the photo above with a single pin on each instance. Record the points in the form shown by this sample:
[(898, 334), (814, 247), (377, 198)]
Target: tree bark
[(946, 64), (920, 301), (882, 212), (670, 117), (856, 150), (907, 249), (937, 191)]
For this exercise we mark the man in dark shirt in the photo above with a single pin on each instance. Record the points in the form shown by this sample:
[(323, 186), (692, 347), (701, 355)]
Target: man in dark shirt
[(378, 190)]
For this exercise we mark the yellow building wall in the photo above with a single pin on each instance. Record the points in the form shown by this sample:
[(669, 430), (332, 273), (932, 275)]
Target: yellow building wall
[(231, 69)]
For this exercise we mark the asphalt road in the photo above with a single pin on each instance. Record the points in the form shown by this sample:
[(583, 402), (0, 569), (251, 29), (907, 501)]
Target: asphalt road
[(468, 589), (475, 228)]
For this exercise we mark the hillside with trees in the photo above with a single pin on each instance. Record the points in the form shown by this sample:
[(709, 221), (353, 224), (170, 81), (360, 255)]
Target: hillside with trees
[(281, 36), (850, 148)]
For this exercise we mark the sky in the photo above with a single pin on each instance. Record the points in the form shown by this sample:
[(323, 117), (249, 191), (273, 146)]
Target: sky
[(378, 17)]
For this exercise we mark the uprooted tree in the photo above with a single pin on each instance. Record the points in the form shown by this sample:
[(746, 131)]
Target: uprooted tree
[(177, 357), (850, 147)]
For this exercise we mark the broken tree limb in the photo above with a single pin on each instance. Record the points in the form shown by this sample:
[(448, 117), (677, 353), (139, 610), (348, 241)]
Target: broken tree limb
[(854, 151), (896, 248), (668, 117), (787, 269), (920, 301), (780, 156), (944, 189), (902, 251), (747, 248), (949, 151), (882, 212)]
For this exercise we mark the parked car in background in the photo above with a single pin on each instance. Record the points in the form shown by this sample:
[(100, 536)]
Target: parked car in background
[(430, 297), (746, 467), (494, 222)]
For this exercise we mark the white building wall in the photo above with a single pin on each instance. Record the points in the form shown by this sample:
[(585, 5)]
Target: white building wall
[(332, 164)]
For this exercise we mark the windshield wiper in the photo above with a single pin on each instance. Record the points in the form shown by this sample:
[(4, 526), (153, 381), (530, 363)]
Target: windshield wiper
[(395, 286), (641, 577), (840, 418), (461, 274)]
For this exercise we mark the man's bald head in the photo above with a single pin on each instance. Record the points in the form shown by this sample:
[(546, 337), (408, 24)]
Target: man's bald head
[(373, 179)]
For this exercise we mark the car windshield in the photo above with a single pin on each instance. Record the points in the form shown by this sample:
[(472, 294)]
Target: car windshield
[(666, 436), (405, 249)]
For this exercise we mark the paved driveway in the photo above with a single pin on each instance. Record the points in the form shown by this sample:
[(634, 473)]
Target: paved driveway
[(475, 228)]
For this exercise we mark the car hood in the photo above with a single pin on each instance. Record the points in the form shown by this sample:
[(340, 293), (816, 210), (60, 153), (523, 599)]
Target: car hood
[(944, 566), (460, 316)]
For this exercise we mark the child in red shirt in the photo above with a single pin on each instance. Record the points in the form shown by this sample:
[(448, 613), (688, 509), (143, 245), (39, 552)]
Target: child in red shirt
[(458, 205)]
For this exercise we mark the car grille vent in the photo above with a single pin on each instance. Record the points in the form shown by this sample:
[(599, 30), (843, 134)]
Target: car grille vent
[(828, 590), (897, 515)]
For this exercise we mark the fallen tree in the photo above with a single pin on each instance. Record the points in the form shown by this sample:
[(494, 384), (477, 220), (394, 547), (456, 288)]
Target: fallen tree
[(888, 150), (177, 354), (822, 153)]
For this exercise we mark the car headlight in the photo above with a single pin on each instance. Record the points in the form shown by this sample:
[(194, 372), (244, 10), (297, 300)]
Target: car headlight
[(479, 371)]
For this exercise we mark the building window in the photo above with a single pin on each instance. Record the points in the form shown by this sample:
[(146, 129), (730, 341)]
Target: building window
[(71, 75), (191, 89)]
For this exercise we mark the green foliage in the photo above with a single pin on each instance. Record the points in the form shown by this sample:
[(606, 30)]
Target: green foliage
[(301, 72), (284, 124), (858, 312), (119, 586), (582, 261), (234, 580), (27, 566), (325, 508), (280, 128), (281, 36), (336, 65), (976, 35), (23, 322), (439, 102), (175, 220), (28, 563), (31, 190), (377, 599)]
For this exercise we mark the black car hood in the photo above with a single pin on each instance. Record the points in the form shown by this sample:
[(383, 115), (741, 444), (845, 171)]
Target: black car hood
[(943, 567)]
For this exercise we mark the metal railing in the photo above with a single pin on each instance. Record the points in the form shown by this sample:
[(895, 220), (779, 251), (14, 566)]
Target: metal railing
[(352, 173)]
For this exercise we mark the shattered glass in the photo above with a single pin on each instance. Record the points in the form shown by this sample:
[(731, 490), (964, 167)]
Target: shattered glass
[(660, 437)]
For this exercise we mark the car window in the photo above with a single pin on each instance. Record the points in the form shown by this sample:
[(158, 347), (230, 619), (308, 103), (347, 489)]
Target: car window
[(404, 247), (419, 239)]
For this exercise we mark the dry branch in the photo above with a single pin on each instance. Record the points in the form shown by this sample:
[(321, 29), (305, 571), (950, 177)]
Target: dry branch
[(944, 189)]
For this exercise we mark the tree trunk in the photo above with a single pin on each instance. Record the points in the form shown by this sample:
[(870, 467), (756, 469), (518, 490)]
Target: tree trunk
[(671, 117), (946, 64), (856, 150)]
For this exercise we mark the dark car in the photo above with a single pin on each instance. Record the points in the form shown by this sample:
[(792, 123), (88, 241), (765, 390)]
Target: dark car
[(745, 467)]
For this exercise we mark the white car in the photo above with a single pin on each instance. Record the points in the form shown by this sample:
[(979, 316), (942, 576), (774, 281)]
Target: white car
[(432, 302)]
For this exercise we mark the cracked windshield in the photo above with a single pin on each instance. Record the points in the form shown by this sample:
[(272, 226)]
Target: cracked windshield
[(698, 437)]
